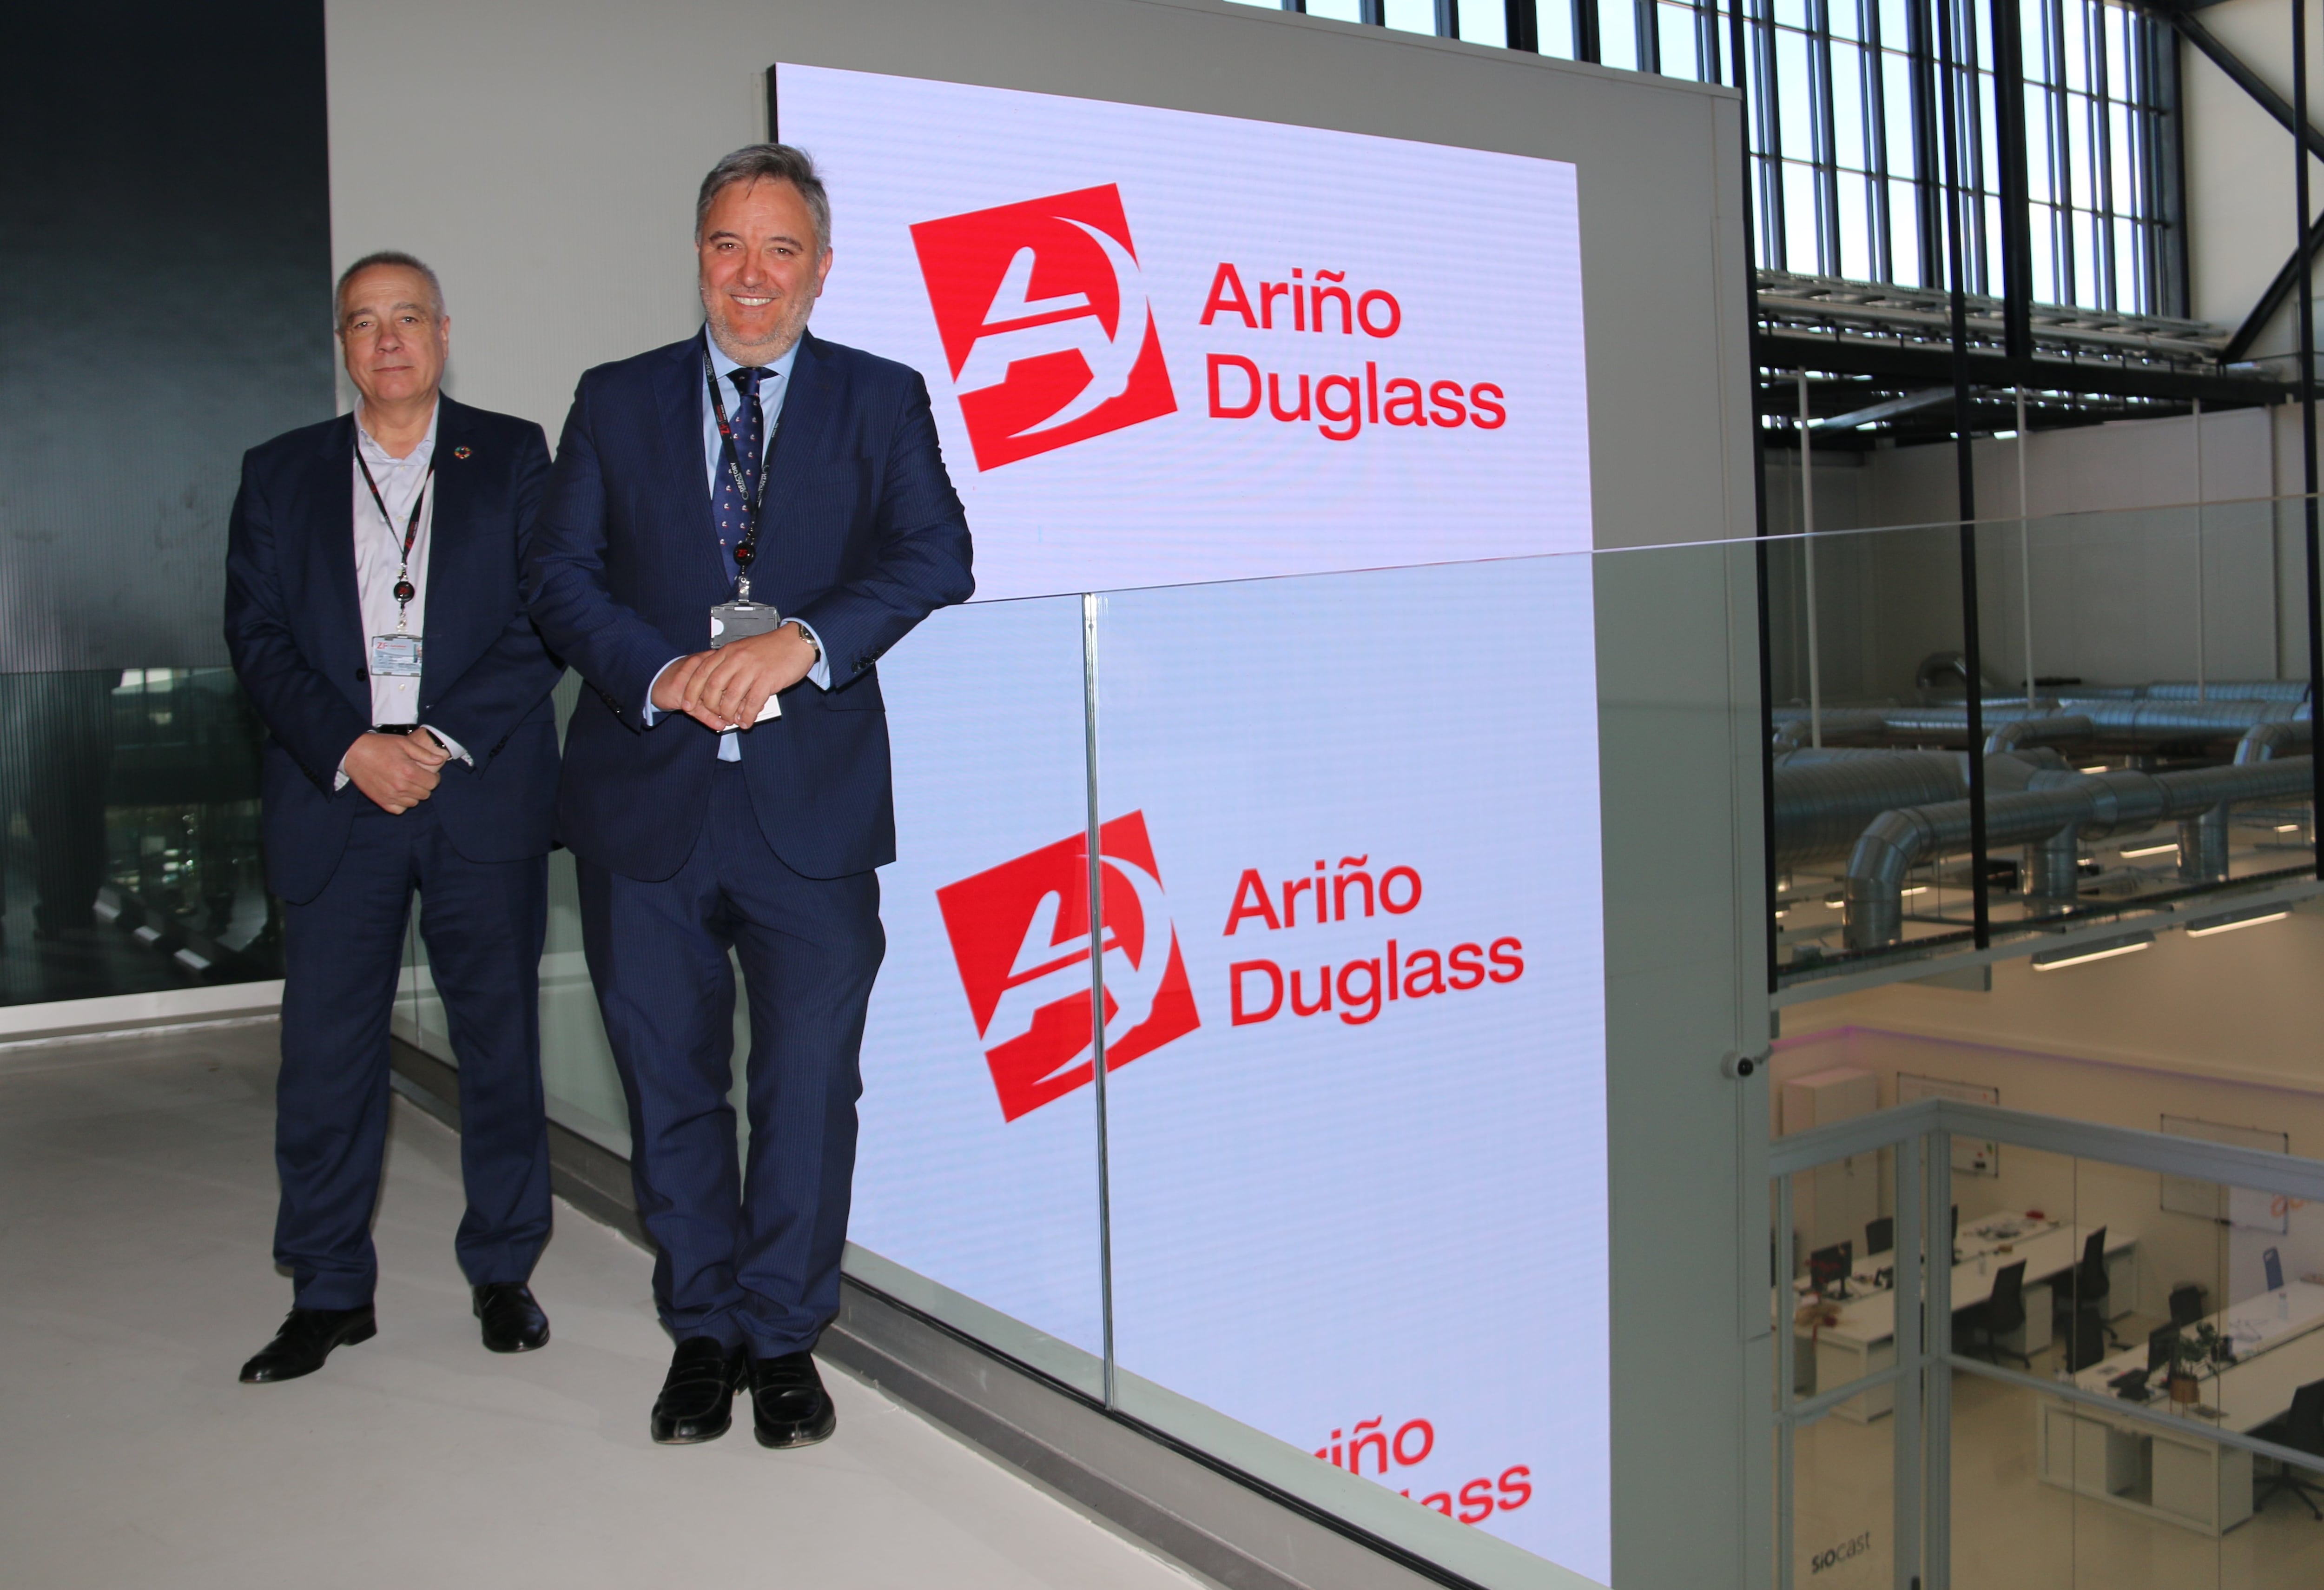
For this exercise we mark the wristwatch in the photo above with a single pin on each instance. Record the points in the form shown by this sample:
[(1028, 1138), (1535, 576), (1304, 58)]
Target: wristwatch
[(807, 635)]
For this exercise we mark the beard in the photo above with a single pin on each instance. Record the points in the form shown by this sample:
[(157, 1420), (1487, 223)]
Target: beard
[(790, 324)]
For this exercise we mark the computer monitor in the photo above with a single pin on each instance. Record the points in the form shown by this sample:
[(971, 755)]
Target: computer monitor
[(1880, 1235), (1828, 1268), (2274, 1264), (2158, 1345)]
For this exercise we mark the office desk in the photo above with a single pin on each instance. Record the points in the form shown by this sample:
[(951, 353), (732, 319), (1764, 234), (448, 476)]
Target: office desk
[(1863, 1339), (2171, 1469)]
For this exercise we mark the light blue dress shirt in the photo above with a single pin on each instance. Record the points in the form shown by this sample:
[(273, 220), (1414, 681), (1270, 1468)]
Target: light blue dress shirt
[(773, 387)]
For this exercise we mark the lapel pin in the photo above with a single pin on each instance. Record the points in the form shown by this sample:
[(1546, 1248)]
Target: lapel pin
[(460, 452)]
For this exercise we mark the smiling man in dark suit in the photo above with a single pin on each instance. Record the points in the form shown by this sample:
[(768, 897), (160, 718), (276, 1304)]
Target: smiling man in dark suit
[(751, 461), (372, 576)]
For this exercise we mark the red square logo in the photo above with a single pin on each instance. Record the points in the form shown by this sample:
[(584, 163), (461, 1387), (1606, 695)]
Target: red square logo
[(1043, 311), (1019, 936)]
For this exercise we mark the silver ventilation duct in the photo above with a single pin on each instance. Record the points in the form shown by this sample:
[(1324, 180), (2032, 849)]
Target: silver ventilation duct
[(2055, 812), (1824, 798), (2188, 690)]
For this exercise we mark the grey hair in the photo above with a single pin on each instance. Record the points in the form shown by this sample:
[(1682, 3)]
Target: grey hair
[(388, 257), (768, 162)]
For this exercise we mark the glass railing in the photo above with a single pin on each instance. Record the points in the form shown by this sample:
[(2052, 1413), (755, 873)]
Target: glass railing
[(2116, 1377), (2142, 743), (1411, 884), (130, 837), (1353, 954)]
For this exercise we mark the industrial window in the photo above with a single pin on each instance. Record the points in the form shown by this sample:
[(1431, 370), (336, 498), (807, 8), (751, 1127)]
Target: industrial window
[(1847, 166)]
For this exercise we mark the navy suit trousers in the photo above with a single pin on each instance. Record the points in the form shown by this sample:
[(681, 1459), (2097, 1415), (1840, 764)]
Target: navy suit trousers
[(342, 951), (749, 1241)]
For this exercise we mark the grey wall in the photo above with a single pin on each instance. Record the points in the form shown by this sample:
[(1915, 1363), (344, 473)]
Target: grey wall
[(2114, 542), (164, 304), (562, 144)]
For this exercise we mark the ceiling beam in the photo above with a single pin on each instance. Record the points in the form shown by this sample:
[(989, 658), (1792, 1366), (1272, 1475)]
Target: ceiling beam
[(1921, 364)]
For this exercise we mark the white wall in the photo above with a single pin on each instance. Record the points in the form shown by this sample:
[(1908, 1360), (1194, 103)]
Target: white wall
[(2239, 169), (2114, 540)]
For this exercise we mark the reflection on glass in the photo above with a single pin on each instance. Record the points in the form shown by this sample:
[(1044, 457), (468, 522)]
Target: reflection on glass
[(129, 835)]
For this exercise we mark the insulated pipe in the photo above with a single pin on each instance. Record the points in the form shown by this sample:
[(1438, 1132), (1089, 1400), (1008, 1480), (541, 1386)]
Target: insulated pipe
[(2145, 725), (1793, 728), (2263, 742), (1824, 798), (2097, 805), (2067, 728)]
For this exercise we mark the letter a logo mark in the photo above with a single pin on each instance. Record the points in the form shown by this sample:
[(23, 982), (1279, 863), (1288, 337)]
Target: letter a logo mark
[(1020, 935), (1043, 312)]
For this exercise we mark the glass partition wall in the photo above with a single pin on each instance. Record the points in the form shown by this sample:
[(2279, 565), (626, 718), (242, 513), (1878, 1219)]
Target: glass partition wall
[(2090, 1356), (2120, 741)]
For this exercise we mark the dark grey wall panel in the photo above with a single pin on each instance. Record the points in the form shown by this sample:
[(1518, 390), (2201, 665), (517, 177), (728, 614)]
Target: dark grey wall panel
[(164, 304)]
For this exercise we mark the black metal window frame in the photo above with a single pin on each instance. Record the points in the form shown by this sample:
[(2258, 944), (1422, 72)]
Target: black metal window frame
[(1844, 96)]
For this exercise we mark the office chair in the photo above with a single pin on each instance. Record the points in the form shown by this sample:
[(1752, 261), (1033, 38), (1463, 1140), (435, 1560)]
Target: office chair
[(2003, 1312), (2090, 1286), (1880, 1235), (2186, 1303), (2303, 1429), (1828, 1268)]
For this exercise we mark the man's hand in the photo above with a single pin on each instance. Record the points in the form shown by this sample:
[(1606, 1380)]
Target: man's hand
[(397, 772), (725, 688)]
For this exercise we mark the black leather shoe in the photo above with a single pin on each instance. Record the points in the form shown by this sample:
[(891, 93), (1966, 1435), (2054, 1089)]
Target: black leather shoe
[(697, 1398), (514, 1322), (305, 1339), (788, 1406)]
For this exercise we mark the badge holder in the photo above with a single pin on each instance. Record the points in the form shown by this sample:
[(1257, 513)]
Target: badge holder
[(740, 619)]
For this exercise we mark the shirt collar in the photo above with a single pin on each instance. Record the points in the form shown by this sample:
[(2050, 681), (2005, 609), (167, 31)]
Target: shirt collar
[(779, 371), (375, 454)]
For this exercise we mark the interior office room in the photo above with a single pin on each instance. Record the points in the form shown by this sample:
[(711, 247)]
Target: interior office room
[(1744, 575)]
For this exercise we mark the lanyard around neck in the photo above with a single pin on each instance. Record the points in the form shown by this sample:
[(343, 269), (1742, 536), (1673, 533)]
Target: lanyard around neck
[(404, 589), (730, 455)]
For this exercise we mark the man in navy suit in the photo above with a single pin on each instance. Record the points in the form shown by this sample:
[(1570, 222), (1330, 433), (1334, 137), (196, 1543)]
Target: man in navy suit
[(372, 610), (737, 797)]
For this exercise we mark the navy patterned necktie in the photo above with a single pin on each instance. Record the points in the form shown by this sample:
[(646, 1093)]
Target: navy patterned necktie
[(749, 424)]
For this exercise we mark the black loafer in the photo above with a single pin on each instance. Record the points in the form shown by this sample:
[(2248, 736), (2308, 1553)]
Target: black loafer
[(513, 1321), (305, 1339), (788, 1406), (697, 1398)]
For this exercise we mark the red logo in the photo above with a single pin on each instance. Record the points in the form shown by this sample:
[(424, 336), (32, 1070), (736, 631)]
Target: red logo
[(1021, 937), (1045, 321)]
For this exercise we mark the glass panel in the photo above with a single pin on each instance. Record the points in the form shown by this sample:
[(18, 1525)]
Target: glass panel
[(1556, 22), (977, 1093), (1843, 1306), (1336, 10), (1484, 23), (1677, 41), (1412, 16), (1324, 959), (129, 835), (1618, 35)]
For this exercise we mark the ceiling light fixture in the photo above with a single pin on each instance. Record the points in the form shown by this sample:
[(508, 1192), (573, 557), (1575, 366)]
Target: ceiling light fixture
[(2229, 921), (2096, 950), (2150, 850)]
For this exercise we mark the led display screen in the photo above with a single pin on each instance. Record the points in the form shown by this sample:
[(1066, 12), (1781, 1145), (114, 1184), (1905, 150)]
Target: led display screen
[(1350, 913)]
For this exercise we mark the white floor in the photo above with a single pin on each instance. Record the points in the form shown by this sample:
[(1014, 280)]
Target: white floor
[(136, 1204)]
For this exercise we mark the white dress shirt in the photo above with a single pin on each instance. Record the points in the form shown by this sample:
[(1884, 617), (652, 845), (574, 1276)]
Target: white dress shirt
[(379, 561), (773, 387)]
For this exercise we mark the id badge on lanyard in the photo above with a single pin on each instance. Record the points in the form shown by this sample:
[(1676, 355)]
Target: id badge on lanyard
[(742, 618), (396, 655)]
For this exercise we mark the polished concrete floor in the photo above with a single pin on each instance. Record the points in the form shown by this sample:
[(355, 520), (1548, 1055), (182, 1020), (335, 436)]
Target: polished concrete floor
[(136, 1202)]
